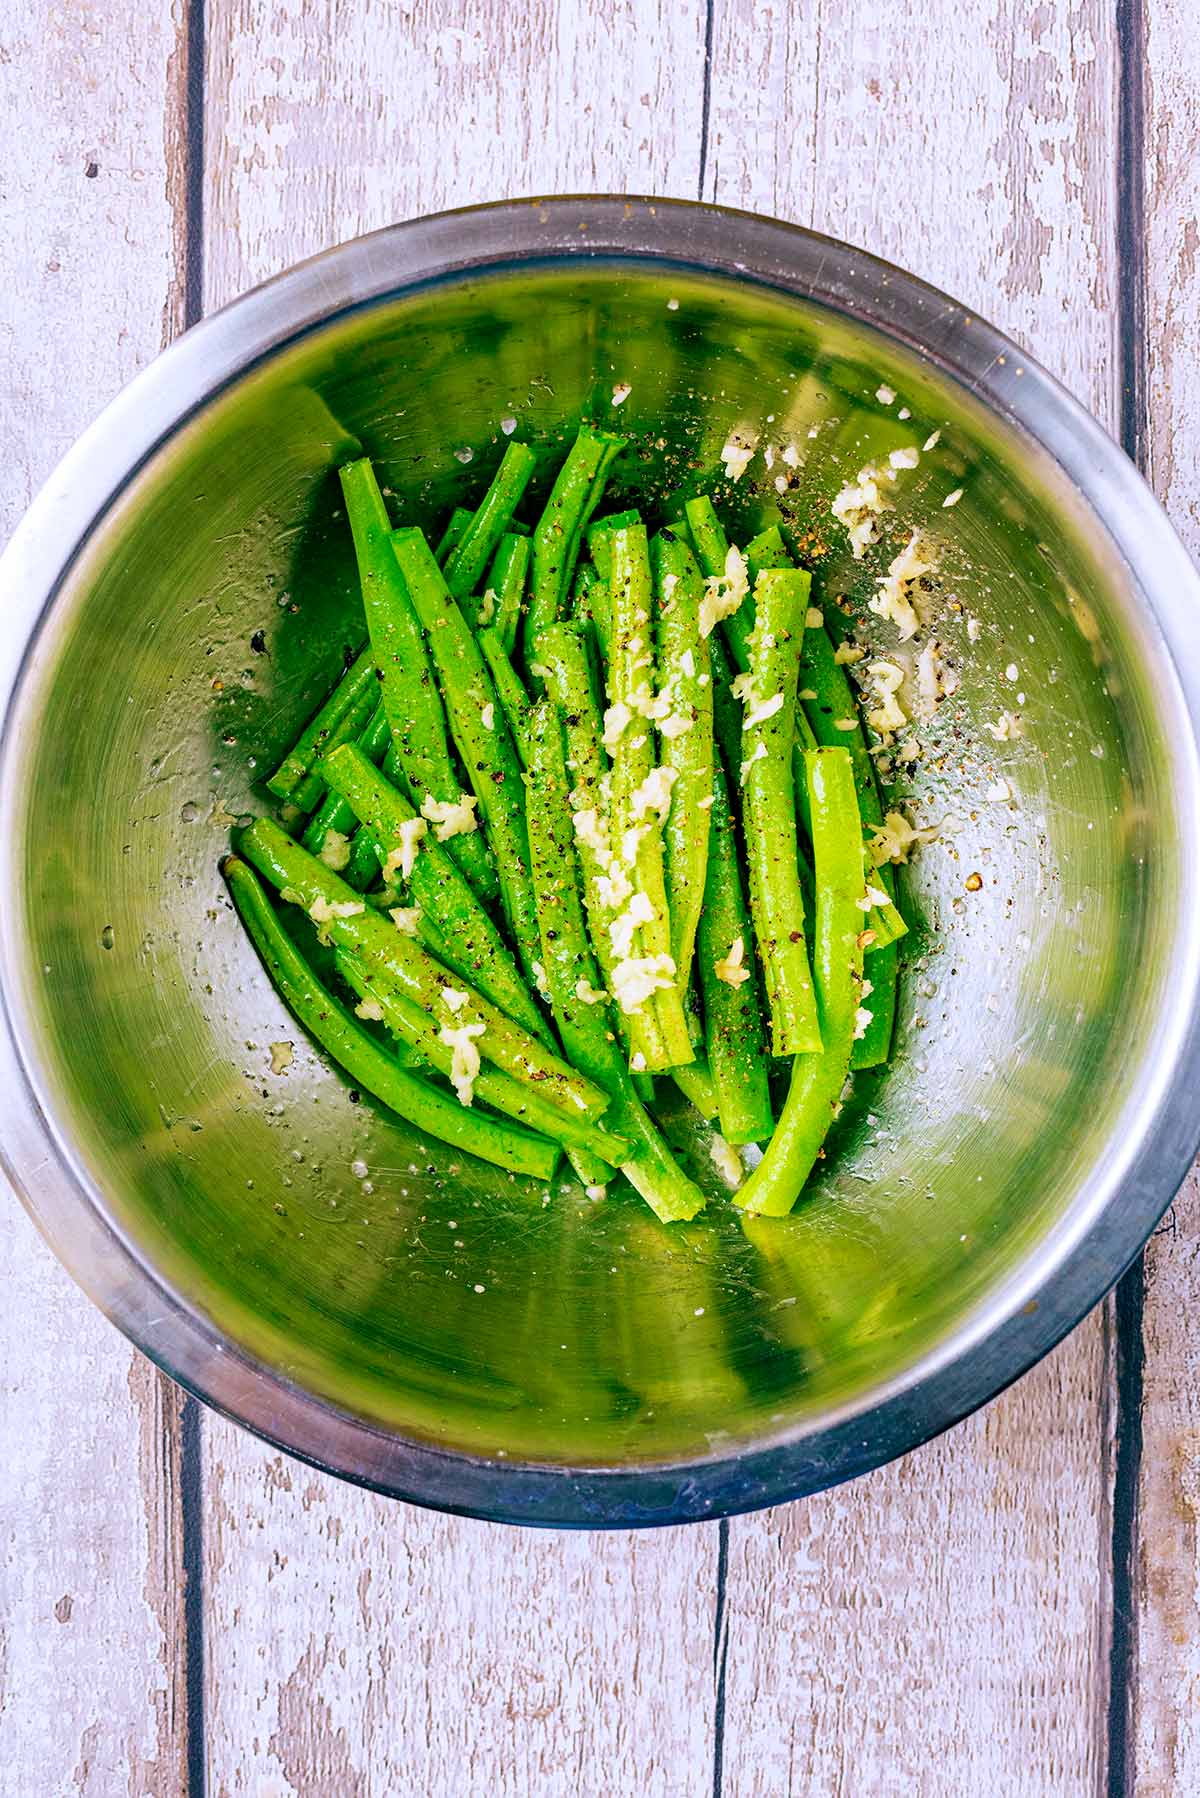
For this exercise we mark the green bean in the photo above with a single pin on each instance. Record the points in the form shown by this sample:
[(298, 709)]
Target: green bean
[(874, 1046), (340, 716), (732, 1010), (727, 713), (362, 869), (333, 812), (686, 748), (580, 1009), (591, 604), (481, 732), (506, 581), (350, 924), (658, 1021), (453, 534), (695, 1082), (574, 497), (569, 682), (469, 557), (833, 713), (769, 809), (407, 687), (767, 550), (599, 540), (510, 689), (817, 1080), (423, 1106), (436, 886), (514, 1098), (708, 534)]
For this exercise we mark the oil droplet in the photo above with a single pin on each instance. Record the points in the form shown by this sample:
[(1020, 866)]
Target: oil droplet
[(189, 813), (107, 938)]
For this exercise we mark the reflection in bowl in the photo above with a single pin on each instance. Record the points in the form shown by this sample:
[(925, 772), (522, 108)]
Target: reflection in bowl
[(218, 1207)]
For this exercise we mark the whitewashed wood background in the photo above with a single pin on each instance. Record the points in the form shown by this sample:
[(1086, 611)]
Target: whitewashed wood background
[(1011, 1612)]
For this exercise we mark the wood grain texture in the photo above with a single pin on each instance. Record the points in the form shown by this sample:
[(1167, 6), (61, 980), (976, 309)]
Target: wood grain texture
[(323, 125), (360, 1648), (357, 1648), (91, 1671), (941, 1626), (1164, 1741)]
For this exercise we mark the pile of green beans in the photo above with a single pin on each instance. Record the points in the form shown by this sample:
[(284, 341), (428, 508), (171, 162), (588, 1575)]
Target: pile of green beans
[(575, 821)]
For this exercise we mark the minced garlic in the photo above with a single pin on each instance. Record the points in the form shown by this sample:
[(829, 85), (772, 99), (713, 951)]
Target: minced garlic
[(540, 980), (335, 850), (402, 859), (654, 794), (616, 718), (935, 681), (450, 817), (639, 911), (737, 458), (885, 680), (898, 588), (858, 506), (762, 710), (730, 969), (464, 1065), (892, 840), (324, 911), (635, 977), (613, 888), (724, 593), (758, 754), (405, 917), (724, 1158)]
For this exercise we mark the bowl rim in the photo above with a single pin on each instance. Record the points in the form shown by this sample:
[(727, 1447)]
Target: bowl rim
[(1030, 1310)]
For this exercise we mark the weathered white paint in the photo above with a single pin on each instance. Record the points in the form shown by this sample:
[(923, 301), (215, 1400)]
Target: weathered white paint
[(1165, 1738), (942, 1626), (91, 1698), (939, 1627), (323, 124), (357, 1648)]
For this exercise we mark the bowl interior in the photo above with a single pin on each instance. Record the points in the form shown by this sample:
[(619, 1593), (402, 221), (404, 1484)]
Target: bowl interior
[(203, 621)]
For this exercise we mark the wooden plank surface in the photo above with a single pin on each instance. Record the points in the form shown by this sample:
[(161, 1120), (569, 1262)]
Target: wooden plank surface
[(1164, 1741), (941, 1626), (358, 1648), (92, 1685)]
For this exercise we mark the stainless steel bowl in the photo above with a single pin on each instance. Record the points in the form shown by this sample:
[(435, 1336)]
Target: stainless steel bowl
[(433, 1330)]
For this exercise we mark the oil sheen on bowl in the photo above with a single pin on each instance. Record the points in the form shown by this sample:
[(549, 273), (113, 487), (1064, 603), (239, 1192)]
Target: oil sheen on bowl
[(178, 599)]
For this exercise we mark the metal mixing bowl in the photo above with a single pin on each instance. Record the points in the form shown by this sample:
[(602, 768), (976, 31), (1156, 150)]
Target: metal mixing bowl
[(176, 601)]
